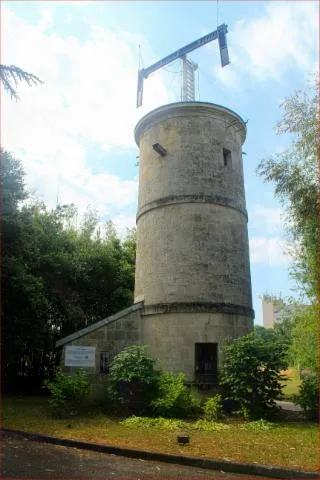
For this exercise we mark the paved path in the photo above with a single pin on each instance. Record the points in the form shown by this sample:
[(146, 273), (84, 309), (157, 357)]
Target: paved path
[(23, 458)]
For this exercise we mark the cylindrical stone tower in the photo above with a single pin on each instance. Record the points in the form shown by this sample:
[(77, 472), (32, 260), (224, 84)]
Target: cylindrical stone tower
[(192, 264)]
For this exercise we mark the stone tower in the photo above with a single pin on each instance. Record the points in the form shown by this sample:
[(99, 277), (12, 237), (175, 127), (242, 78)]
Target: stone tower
[(192, 264)]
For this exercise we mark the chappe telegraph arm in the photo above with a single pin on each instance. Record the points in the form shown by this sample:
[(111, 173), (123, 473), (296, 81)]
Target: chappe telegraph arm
[(219, 34)]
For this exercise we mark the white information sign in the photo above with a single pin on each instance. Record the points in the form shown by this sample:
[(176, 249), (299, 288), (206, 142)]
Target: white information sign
[(80, 356)]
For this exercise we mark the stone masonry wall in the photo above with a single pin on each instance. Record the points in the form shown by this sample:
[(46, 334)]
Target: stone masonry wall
[(112, 337), (202, 259), (171, 337), (192, 240)]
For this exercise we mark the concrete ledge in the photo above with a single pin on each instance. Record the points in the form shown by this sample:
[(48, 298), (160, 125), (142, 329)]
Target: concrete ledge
[(198, 307), (233, 467), (180, 199)]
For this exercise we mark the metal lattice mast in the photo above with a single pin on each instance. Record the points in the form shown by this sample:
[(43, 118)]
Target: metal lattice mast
[(188, 81)]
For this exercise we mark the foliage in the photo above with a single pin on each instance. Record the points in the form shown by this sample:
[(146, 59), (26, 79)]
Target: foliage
[(213, 407), (258, 425), (209, 426), (67, 392), (56, 278), (12, 182), (276, 336), (291, 444), (251, 376), (133, 379), (308, 396), (174, 399), (172, 424), (294, 175), (297, 331), (292, 383), (303, 349), (133, 363), (11, 73), (158, 422)]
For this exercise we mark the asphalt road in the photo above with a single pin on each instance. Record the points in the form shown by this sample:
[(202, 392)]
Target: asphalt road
[(23, 458)]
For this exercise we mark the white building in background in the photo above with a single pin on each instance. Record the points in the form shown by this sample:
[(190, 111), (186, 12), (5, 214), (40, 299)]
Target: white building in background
[(274, 313)]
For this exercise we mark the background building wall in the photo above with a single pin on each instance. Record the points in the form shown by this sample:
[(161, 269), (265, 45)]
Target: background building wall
[(268, 314)]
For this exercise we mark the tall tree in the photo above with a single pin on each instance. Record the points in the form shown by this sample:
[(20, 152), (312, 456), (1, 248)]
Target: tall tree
[(56, 278), (303, 347), (294, 176)]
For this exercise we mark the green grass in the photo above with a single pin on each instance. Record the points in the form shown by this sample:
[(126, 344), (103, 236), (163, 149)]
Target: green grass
[(293, 445), (292, 384)]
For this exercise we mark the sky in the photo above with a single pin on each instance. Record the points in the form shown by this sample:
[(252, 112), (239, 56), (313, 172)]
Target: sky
[(74, 133)]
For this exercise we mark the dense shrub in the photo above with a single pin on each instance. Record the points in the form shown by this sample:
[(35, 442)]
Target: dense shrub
[(209, 426), (133, 380), (308, 396), (213, 407), (174, 399), (250, 376), (158, 422), (258, 425), (68, 392), (172, 424)]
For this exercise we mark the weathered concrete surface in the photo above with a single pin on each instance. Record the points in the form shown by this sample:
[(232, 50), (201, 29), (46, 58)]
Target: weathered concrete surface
[(111, 337), (192, 263), (23, 458), (193, 252), (171, 337), (192, 241)]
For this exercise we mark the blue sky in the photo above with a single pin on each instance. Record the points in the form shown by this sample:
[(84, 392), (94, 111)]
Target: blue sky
[(74, 134)]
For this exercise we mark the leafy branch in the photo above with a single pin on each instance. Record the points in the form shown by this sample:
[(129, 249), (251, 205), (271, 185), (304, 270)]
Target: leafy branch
[(10, 76)]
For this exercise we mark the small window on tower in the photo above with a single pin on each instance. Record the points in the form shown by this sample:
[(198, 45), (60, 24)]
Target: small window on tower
[(104, 362), (226, 157)]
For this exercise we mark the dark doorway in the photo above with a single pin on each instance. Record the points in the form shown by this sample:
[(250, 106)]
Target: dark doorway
[(206, 362)]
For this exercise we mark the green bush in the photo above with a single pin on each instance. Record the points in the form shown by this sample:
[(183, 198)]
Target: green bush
[(159, 422), (258, 425), (308, 396), (172, 424), (213, 407), (209, 426), (133, 380), (68, 392), (174, 399), (250, 376)]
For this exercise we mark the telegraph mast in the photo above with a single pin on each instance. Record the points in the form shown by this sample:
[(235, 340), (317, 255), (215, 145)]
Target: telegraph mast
[(188, 90), (188, 81)]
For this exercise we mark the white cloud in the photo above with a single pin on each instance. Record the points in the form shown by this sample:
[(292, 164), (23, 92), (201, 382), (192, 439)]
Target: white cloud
[(76, 3), (122, 222), (269, 219), (270, 252), (88, 98), (264, 47)]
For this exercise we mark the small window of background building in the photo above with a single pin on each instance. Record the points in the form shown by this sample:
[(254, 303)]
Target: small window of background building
[(104, 362), (227, 159)]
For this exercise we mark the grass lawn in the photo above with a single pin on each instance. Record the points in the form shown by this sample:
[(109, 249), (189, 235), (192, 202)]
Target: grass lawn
[(292, 444), (292, 383)]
